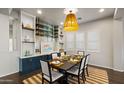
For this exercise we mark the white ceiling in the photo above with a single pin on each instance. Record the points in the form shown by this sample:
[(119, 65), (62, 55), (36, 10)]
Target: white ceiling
[(56, 15)]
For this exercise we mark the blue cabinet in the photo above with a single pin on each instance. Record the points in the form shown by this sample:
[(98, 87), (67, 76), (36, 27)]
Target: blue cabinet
[(35, 63), (25, 65), (28, 65), (44, 58)]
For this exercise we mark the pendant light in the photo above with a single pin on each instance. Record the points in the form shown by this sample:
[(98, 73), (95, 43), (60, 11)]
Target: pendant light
[(70, 23)]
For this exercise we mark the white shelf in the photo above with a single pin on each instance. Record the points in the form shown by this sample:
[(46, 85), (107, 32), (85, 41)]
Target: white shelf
[(27, 20), (44, 24), (61, 38)]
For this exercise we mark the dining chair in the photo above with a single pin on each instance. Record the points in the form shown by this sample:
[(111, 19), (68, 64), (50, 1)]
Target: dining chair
[(54, 56), (86, 65), (61, 50), (62, 53), (78, 71), (48, 74), (81, 52)]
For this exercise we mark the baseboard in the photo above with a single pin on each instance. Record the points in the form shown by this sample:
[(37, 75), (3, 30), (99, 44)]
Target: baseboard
[(118, 70), (101, 66), (107, 67), (8, 74)]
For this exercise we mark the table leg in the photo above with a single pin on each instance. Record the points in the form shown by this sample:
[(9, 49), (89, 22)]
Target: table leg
[(65, 77)]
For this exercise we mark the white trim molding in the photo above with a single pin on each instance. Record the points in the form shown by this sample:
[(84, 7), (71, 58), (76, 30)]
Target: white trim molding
[(107, 67)]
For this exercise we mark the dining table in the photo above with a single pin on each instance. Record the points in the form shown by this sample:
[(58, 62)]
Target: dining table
[(64, 63)]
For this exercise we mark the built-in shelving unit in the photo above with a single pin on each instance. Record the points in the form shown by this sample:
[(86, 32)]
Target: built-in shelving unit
[(34, 33), (44, 29), (27, 34), (27, 28), (61, 38), (45, 32), (37, 37), (27, 42), (56, 30)]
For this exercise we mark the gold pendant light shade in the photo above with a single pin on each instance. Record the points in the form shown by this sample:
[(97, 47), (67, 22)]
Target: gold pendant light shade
[(70, 23)]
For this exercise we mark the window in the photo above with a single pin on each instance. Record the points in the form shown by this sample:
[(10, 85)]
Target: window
[(70, 37), (11, 35), (93, 41), (85, 41), (80, 41), (13, 28), (14, 25)]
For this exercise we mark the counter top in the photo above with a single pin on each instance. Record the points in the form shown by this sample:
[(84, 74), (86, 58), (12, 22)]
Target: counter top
[(38, 55)]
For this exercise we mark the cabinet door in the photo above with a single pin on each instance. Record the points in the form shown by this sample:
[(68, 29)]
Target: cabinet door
[(40, 57), (49, 57), (44, 58), (35, 63), (26, 65), (38, 62)]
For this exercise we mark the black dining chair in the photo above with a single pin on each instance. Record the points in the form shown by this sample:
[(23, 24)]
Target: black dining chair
[(62, 53), (86, 65), (61, 50), (78, 71), (54, 55), (48, 74), (81, 53)]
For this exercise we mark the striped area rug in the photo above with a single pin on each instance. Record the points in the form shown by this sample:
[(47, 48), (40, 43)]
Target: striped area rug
[(96, 76)]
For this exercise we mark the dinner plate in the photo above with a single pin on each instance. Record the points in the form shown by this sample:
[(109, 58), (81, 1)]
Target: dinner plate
[(55, 62), (75, 60)]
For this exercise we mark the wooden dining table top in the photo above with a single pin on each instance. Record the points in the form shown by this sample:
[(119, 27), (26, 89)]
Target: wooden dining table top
[(64, 64)]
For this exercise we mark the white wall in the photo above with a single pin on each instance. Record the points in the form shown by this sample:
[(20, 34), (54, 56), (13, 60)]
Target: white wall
[(104, 57), (111, 53), (118, 45), (118, 40), (8, 60)]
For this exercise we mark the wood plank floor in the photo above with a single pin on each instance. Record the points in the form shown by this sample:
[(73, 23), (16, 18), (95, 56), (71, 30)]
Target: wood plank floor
[(97, 75)]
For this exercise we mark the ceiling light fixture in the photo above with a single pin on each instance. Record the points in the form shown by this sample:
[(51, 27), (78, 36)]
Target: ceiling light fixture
[(67, 10), (39, 12), (101, 10), (70, 23)]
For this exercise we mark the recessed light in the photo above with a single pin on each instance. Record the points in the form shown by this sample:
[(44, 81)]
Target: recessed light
[(101, 10), (61, 23), (39, 12)]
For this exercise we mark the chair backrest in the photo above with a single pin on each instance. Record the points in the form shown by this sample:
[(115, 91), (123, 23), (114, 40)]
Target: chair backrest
[(61, 50), (83, 62), (81, 52), (62, 53), (45, 68), (54, 55), (87, 59)]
